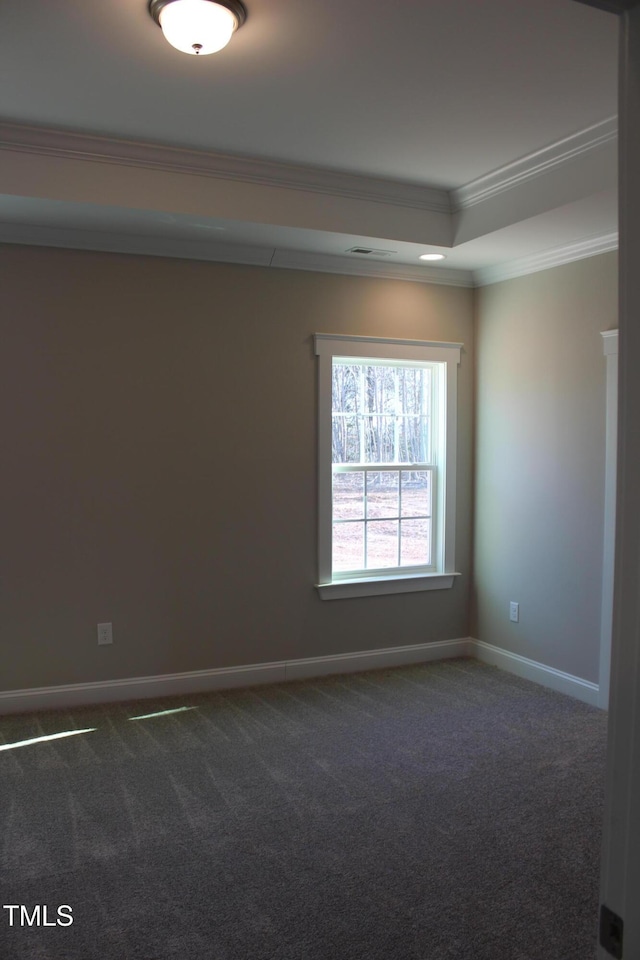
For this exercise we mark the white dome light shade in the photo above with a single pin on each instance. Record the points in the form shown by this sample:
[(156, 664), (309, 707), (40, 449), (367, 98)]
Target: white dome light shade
[(432, 256), (197, 26)]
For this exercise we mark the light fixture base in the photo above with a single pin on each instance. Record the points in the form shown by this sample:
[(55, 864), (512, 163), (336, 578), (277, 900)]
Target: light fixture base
[(234, 6)]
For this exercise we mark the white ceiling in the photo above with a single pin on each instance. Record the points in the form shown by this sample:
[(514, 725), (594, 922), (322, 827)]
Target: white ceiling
[(481, 128)]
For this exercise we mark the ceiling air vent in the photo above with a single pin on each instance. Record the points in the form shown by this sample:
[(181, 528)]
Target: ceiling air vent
[(368, 251)]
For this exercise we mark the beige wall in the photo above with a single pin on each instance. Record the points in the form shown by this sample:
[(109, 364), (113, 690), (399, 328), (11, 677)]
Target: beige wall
[(539, 463), (159, 464)]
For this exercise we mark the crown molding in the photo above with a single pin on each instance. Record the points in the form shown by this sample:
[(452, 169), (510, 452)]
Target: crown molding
[(45, 141), (256, 256), (554, 257), (92, 148), (329, 263), (146, 245), (534, 164), (247, 255)]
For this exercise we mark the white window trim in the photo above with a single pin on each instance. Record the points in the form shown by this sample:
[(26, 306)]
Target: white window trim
[(328, 346)]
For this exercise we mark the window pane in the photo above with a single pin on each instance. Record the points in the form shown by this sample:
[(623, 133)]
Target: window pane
[(348, 546), (382, 543), (414, 445), (415, 542), (382, 494), (380, 390), (416, 493), (348, 496), (414, 391), (379, 439), (346, 439), (346, 387)]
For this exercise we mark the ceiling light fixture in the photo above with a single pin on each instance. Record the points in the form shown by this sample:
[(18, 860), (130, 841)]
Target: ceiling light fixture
[(198, 26), (432, 256)]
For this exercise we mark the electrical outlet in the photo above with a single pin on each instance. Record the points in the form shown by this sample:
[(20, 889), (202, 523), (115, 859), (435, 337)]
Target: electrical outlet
[(514, 611), (105, 633)]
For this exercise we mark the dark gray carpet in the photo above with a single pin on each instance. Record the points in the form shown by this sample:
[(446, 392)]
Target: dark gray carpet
[(440, 812)]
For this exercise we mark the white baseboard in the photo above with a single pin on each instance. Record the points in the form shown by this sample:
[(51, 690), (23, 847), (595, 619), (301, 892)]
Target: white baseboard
[(538, 672), (198, 681), (375, 659), (138, 688)]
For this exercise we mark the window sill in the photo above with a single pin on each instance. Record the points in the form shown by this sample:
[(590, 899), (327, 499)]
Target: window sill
[(378, 586)]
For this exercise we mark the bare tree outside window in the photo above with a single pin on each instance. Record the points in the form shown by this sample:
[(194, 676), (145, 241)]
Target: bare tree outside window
[(381, 416)]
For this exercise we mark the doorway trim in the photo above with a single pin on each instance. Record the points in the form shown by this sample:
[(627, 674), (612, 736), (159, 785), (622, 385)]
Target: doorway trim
[(610, 347)]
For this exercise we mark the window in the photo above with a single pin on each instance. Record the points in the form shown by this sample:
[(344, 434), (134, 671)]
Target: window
[(387, 465)]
